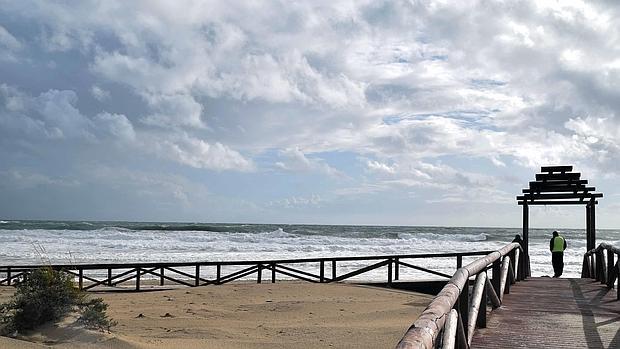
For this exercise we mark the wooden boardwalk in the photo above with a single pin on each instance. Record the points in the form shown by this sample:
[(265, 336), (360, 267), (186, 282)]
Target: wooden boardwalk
[(554, 313)]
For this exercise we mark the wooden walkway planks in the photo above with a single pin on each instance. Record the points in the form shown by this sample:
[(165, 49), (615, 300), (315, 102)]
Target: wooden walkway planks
[(554, 313)]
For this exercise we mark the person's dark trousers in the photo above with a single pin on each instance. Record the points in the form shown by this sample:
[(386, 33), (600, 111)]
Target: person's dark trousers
[(557, 259)]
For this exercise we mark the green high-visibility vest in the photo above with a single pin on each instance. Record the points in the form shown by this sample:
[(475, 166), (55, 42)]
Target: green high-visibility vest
[(558, 244)]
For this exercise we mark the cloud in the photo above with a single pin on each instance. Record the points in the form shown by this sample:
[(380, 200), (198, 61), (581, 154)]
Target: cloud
[(99, 93), (200, 154), (174, 110), (9, 45), (295, 160)]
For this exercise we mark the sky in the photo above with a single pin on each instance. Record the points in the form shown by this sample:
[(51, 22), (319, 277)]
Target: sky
[(319, 112)]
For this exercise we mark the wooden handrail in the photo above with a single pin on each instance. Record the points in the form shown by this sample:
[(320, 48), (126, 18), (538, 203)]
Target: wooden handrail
[(598, 264), (134, 271), (425, 332)]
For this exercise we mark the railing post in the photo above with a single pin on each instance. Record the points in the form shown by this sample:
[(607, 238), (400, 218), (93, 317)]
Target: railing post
[(138, 279), (481, 321), (161, 276), (273, 273), (109, 276), (259, 273), (599, 266), (459, 261), (8, 275), (592, 267), (218, 273), (389, 276), (322, 271), (584, 267), (463, 307), (81, 278), (334, 270), (496, 280), (396, 269), (610, 269), (197, 280)]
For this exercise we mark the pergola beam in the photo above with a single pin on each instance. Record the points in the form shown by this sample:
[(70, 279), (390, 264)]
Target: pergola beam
[(576, 182), (557, 176), (553, 189), (556, 202), (556, 168), (559, 196)]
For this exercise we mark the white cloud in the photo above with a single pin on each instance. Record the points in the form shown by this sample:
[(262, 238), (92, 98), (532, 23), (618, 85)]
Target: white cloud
[(200, 154), (295, 160), (174, 110), (99, 93)]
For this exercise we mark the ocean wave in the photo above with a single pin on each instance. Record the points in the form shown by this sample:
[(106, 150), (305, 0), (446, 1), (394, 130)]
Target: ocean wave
[(444, 237)]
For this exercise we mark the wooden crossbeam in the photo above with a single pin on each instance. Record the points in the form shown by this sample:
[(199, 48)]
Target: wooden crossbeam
[(299, 271), (559, 196), (277, 270), (557, 176), (556, 188), (238, 275), (557, 202), (424, 269), (550, 169), (576, 182), (361, 271)]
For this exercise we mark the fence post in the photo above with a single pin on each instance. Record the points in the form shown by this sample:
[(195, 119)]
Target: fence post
[(389, 276), (496, 280), (334, 270), (259, 274), (161, 276), (459, 261), (197, 281), (81, 278), (610, 269), (273, 273), (218, 273), (109, 276), (138, 279), (396, 269), (463, 309), (8, 275)]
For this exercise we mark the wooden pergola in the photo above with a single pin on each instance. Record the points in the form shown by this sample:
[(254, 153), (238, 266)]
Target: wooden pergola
[(558, 185)]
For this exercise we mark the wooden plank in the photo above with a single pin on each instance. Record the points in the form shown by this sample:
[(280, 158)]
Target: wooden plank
[(557, 188), (548, 184), (553, 196), (552, 202), (558, 176), (556, 168), (553, 313), (425, 270), (101, 266)]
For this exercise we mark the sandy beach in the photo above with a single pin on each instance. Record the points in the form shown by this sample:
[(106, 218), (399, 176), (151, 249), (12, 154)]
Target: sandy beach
[(283, 315)]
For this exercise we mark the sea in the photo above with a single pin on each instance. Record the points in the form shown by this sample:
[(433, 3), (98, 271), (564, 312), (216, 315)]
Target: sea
[(73, 242)]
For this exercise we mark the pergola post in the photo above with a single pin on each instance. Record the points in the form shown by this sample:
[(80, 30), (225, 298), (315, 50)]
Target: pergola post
[(526, 240), (592, 224), (588, 228)]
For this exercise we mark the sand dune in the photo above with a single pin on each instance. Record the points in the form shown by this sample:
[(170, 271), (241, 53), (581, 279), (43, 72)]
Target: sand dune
[(283, 315)]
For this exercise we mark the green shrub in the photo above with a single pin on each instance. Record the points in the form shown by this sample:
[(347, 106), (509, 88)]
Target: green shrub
[(93, 315), (45, 295)]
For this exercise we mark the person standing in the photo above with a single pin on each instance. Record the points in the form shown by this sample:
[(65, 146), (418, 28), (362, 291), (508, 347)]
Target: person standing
[(557, 245)]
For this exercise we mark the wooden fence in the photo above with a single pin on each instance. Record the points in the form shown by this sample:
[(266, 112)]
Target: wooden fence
[(599, 264), (451, 318), (193, 273)]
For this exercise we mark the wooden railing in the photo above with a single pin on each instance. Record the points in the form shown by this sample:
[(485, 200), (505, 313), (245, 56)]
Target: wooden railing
[(192, 274), (599, 264), (452, 316)]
